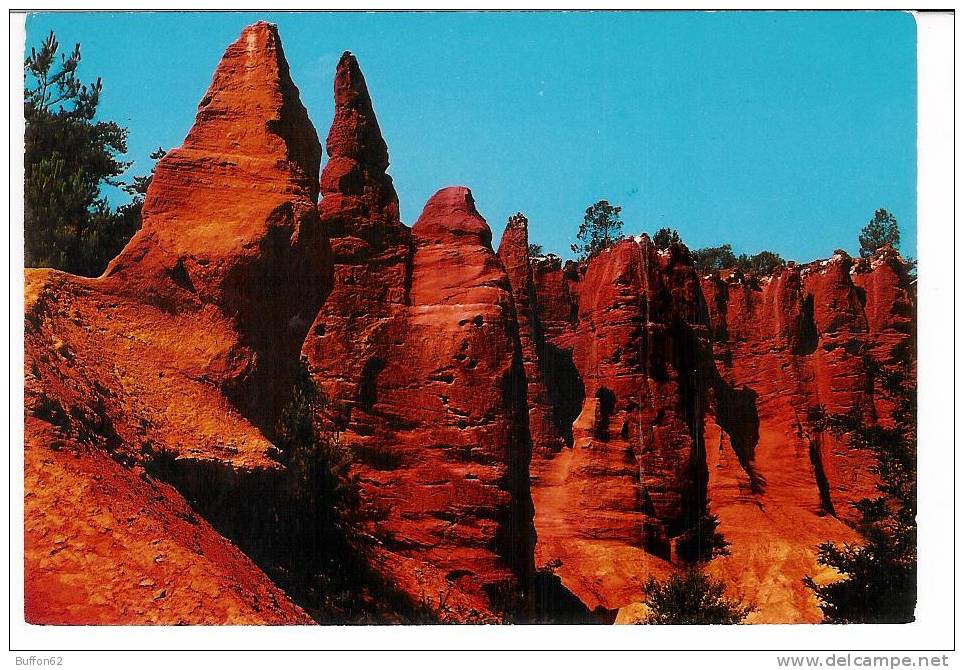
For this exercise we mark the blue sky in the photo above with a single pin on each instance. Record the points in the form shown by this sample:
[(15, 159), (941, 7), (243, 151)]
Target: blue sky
[(766, 130)]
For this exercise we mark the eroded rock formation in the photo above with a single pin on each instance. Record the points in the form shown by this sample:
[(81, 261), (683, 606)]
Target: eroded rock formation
[(608, 508), (547, 422), (801, 344), (708, 391), (498, 413), (230, 226), (418, 353)]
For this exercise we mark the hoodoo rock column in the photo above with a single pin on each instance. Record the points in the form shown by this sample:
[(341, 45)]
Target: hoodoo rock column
[(417, 351)]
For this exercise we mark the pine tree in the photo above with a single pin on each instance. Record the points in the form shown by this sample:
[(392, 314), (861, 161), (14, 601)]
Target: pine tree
[(665, 238), (601, 228), (68, 158), (702, 542), (881, 230), (879, 583)]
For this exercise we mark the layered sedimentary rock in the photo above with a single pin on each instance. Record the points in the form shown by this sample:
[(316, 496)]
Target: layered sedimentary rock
[(773, 478), (417, 351), (371, 248), (800, 343), (174, 360), (229, 222)]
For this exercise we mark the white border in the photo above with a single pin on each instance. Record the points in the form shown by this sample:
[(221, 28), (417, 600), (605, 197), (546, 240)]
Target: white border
[(933, 630)]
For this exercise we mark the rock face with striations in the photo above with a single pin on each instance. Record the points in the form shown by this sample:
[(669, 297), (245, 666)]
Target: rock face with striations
[(608, 508), (706, 392), (229, 223), (417, 351), (799, 345)]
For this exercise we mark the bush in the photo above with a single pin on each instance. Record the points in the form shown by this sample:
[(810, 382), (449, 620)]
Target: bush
[(320, 503), (665, 237), (763, 263), (709, 259), (692, 598)]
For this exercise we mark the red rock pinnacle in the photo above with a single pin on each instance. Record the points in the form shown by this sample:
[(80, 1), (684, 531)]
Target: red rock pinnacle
[(514, 254), (230, 218), (415, 349), (358, 199), (243, 181)]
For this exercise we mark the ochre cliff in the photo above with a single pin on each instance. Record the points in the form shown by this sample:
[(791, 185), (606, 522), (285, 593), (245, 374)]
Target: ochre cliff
[(804, 342), (705, 392), (522, 435)]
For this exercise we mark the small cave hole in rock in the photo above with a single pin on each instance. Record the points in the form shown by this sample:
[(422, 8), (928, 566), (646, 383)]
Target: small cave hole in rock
[(367, 388), (564, 386), (807, 336), (607, 403)]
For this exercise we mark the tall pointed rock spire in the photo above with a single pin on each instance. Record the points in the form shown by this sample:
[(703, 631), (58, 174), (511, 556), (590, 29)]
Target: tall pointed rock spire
[(514, 254), (415, 351), (355, 132), (230, 219), (247, 167), (358, 198)]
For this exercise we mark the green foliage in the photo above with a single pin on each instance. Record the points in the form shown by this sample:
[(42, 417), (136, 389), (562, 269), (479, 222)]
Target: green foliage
[(534, 250), (321, 497), (881, 230), (879, 582), (763, 263), (666, 237), (139, 184), (692, 598), (601, 228), (68, 157), (710, 259), (702, 541)]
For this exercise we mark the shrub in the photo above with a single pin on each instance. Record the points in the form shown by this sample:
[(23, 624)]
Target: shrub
[(709, 259), (319, 506), (692, 598)]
